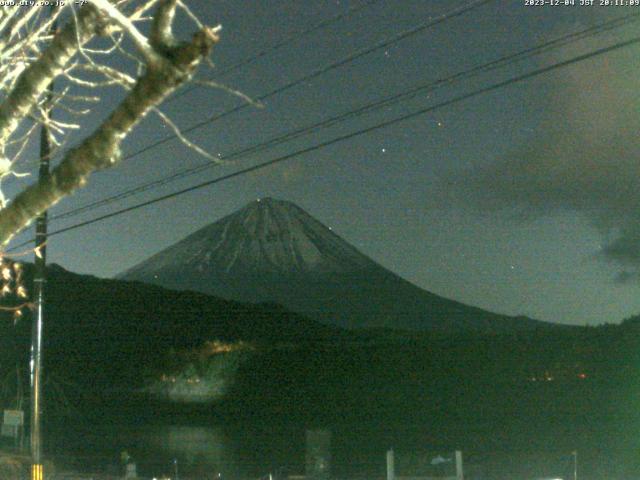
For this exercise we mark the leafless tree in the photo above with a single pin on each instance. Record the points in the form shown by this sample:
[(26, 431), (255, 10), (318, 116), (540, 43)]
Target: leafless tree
[(79, 57)]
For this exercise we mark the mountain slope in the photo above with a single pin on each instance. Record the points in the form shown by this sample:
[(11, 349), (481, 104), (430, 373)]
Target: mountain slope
[(274, 251), (108, 335)]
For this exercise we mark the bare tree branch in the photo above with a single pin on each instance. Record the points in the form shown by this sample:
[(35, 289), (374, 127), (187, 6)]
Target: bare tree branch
[(176, 130), (140, 41), (174, 66), (33, 81)]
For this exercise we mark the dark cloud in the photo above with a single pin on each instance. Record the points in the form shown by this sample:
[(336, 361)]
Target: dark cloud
[(583, 157)]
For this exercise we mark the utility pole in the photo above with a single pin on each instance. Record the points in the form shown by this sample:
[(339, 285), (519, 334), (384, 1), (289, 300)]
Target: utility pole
[(39, 281), (459, 468), (391, 468)]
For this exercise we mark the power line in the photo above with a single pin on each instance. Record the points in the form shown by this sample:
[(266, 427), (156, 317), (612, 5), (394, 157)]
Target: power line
[(354, 134), (253, 59), (385, 43), (284, 42), (295, 36), (387, 101), (456, 12)]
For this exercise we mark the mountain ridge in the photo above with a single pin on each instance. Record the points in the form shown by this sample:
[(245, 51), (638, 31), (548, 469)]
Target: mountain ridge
[(297, 238), (274, 251)]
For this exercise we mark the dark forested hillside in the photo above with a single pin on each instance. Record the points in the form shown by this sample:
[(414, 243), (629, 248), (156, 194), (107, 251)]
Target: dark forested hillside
[(106, 339)]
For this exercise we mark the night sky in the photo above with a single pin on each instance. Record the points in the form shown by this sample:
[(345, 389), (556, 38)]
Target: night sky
[(523, 200)]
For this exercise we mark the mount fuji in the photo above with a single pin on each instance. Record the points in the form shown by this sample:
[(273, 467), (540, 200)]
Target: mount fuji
[(273, 251)]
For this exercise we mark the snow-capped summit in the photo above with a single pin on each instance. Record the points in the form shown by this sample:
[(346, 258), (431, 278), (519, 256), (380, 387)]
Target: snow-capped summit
[(273, 251), (275, 236), (267, 237)]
